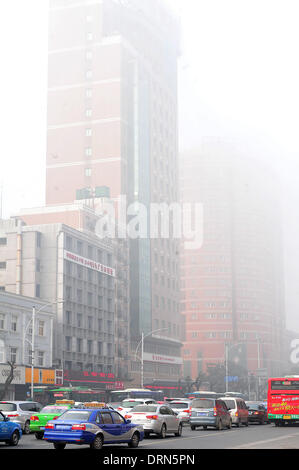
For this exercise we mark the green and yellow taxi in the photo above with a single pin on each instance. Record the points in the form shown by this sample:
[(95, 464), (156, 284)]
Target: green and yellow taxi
[(39, 420)]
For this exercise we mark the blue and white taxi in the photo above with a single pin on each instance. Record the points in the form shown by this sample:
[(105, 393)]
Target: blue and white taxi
[(95, 425), (10, 432)]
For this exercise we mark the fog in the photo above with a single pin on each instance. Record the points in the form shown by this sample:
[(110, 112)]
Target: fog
[(238, 79)]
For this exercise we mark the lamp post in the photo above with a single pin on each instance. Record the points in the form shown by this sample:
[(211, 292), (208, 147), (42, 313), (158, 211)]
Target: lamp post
[(142, 351), (32, 342)]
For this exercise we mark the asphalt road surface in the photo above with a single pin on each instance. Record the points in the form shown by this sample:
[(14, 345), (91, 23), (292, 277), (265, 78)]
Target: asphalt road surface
[(252, 437)]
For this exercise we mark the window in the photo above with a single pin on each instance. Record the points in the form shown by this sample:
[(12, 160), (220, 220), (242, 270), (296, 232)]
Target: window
[(79, 345), (38, 239), (40, 358), (89, 347), (3, 241), (68, 343), (41, 328), (89, 36), (68, 315), (37, 290), (88, 112), (106, 418), (3, 265), (13, 355), (87, 172), (79, 320), (14, 321), (88, 74), (117, 418), (2, 351), (88, 132), (2, 321)]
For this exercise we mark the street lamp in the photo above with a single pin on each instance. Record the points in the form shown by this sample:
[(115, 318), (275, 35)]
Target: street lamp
[(142, 351), (32, 343)]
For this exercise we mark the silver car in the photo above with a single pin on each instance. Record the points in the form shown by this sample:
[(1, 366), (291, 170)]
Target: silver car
[(182, 408), (20, 412), (156, 419)]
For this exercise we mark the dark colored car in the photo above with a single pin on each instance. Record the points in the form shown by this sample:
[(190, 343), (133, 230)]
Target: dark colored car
[(257, 413), (209, 412)]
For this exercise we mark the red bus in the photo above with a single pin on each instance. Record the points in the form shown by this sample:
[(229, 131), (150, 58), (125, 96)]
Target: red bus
[(283, 400)]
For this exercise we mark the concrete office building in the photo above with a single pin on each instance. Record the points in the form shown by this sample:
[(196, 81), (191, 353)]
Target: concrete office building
[(56, 262)]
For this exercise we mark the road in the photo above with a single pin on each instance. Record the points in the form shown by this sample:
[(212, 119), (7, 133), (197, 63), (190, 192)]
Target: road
[(252, 437)]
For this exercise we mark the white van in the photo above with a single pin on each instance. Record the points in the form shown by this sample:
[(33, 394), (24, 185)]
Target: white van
[(238, 410)]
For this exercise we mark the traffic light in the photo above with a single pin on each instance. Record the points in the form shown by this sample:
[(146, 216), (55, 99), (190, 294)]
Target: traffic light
[(237, 357)]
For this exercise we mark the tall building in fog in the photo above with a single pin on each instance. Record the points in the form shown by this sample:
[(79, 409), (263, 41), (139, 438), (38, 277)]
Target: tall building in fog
[(112, 122), (233, 285)]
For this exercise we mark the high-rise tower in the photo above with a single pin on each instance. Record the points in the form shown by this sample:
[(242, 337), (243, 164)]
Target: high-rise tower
[(112, 121)]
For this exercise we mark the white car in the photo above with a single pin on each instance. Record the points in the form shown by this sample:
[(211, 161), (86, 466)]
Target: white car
[(156, 419), (129, 403), (182, 408)]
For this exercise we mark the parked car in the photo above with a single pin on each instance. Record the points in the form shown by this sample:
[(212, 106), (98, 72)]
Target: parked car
[(129, 403), (209, 412), (20, 412), (182, 408), (257, 413), (156, 419), (238, 410), (10, 432)]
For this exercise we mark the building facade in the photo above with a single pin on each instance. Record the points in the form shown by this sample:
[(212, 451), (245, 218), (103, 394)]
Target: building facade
[(16, 338), (112, 122), (76, 272), (233, 285)]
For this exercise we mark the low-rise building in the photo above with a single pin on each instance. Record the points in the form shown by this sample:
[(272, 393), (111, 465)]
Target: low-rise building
[(16, 345)]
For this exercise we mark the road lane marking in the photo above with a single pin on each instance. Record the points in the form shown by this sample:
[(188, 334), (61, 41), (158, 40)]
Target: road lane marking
[(265, 441), (189, 438)]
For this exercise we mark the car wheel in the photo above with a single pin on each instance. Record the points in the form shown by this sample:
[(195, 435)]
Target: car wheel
[(205, 427), (163, 431), (97, 443), (246, 423), (26, 429), (238, 423), (14, 440), (229, 426), (219, 426), (134, 441), (59, 445), (39, 435), (262, 421), (193, 428), (179, 431)]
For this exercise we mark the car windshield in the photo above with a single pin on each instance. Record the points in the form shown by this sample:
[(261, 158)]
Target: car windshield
[(53, 409), (144, 409), (178, 405), (8, 406), (230, 404), (253, 406), (203, 403), (131, 404), (75, 415)]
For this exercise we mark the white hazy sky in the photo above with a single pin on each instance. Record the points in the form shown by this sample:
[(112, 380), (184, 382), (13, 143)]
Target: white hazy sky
[(239, 76)]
